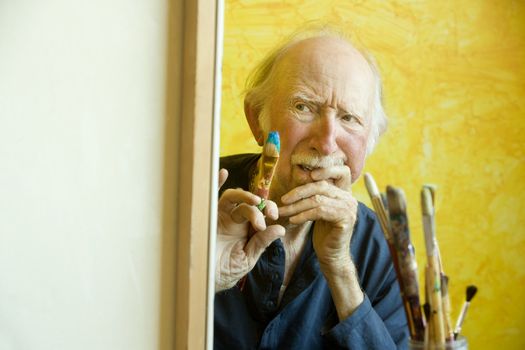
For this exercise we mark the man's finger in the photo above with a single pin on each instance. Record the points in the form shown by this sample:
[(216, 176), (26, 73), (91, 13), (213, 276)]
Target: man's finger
[(313, 202), (328, 214), (340, 175), (232, 197), (271, 210), (312, 189), (223, 175), (244, 212), (261, 240)]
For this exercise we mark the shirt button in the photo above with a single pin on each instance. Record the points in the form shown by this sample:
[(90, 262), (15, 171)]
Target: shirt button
[(276, 276)]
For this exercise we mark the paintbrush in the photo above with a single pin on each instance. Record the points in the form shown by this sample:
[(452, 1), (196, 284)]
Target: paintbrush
[(385, 202), (428, 329), (407, 262), (471, 292), (262, 180), (449, 334), (378, 204), (432, 271), (445, 297), (375, 197)]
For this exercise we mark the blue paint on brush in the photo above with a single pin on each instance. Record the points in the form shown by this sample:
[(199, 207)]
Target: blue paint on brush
[(273, 137)]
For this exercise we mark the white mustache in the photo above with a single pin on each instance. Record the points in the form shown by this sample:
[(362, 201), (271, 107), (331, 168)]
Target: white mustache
[(315, 161)]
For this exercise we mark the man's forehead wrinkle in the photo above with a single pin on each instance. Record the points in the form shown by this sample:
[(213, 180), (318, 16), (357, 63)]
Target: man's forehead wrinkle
[(304, 93), (328, 72), (323, 94)]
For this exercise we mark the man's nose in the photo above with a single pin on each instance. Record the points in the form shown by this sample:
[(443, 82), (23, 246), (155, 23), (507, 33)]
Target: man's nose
[(324, 138)]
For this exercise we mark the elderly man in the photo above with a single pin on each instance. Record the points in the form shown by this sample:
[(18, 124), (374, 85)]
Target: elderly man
[(319, 273)]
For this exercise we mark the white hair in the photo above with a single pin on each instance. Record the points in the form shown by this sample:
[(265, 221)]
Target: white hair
[(259, 84)]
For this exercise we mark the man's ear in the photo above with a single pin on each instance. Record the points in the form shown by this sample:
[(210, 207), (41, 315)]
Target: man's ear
[(252, 116)]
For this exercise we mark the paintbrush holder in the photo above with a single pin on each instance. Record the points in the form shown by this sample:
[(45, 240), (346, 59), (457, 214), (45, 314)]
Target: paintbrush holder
[(458, 344)]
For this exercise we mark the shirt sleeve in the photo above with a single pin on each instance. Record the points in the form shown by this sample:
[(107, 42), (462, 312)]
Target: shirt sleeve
[(365, 329), (380, 321)]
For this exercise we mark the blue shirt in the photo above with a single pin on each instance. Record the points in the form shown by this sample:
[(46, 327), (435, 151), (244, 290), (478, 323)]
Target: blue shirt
[(306, 317)]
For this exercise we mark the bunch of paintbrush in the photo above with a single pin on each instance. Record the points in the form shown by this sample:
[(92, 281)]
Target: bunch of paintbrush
[(436, 283), (436, 327), (262, 179), (395, 229)]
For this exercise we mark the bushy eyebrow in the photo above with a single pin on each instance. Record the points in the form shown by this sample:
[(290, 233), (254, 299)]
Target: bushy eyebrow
[(312, 98), (301, 95)]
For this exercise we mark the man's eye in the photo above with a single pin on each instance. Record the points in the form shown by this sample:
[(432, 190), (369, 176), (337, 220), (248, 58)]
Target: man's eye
[(350, 118), (302, 107)]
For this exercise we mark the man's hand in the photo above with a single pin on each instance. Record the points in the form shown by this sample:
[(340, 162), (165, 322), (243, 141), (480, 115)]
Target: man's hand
[(236, 255), (329, 202)]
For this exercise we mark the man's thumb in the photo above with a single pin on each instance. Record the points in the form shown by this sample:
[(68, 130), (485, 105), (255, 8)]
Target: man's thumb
[(260, 241)]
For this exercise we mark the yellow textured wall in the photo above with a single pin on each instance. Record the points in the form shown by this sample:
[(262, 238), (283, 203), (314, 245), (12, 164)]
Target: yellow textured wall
[(453, 75)]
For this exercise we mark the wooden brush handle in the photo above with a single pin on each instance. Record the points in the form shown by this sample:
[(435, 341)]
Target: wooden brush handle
[(433, 281)]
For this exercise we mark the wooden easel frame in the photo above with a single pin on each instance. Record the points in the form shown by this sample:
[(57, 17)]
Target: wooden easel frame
[(190, 176)]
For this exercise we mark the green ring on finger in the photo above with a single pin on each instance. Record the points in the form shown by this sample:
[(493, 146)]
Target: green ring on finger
[(261, 205)]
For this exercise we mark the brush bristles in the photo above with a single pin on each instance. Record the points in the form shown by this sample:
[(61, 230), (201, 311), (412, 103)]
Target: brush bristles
[(272, 147), (375, 197), (432, 189), (396, 200), (371, 186), (270, 150), (471, 291), (426, 201)]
